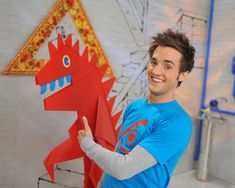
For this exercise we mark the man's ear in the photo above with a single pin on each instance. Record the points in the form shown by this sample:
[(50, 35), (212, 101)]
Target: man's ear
[(183, 75)]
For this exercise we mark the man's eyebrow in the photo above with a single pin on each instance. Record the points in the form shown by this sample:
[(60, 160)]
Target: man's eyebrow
[(169, 61)]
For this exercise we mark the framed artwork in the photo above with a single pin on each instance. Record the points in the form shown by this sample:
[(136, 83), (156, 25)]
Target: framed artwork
[(25, 62)]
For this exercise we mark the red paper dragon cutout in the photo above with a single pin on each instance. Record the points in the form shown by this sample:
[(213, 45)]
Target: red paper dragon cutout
[(87, 95)]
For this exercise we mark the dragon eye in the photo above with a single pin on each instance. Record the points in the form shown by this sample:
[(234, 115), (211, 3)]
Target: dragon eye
[(66, 61)]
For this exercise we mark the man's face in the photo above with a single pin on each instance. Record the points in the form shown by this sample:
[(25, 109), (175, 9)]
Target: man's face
[(163, 72)]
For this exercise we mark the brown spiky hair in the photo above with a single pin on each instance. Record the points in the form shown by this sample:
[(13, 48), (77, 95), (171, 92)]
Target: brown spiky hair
[(178, 41)]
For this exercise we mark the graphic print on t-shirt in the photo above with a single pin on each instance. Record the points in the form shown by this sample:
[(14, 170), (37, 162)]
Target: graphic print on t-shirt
[(129, 136)]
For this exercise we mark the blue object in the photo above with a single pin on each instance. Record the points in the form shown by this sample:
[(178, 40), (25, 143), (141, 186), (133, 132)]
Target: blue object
[(223, 111), (234, 90), (203, 106), (43, 89), (61, 81), (66, 61), (214, 104), (68, 78), (52, 85), (233, 66), (233, 72)]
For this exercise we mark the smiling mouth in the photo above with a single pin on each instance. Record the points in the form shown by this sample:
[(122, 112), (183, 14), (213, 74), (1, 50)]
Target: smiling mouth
[(156, 80), (52, 84)]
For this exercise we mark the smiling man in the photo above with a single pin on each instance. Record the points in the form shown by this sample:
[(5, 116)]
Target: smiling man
[(164, 74), (156, 130)]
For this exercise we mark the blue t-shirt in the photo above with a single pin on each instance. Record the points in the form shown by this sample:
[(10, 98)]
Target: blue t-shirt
[(164, 130)]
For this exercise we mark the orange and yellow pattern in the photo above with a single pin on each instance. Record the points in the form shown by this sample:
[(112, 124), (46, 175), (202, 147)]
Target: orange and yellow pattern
[(24, 63)]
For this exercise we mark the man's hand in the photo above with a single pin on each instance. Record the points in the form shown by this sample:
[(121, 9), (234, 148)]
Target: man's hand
[(86, 132)]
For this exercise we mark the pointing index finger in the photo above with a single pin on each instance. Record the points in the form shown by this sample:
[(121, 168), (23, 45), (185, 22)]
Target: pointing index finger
[(85, 122)]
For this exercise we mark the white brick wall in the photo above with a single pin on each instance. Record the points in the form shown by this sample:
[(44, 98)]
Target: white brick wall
[(27, 132)]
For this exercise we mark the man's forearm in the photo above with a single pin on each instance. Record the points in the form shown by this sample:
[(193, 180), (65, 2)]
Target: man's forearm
[(118, 165)]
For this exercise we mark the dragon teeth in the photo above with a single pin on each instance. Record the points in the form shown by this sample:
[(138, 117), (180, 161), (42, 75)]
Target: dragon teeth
[(43, 89), (53, 84), (61, 82), (68, 78)]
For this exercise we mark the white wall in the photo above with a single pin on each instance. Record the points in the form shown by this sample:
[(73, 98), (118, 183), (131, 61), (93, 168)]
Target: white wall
[(220, 84), (28, 133)]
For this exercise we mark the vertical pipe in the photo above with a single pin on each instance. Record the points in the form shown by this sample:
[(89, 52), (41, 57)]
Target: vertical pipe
[(196, 156), (202, 171)]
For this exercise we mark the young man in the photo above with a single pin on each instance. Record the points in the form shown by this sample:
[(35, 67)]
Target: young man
[(156, 130)]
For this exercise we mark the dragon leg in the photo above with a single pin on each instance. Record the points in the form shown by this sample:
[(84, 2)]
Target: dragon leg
[(64, 152), (67, 150)]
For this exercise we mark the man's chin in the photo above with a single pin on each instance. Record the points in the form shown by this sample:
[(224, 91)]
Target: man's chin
[(155, 92)]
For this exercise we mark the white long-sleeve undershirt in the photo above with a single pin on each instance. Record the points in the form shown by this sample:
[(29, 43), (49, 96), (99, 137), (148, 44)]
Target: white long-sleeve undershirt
[(118, 165)]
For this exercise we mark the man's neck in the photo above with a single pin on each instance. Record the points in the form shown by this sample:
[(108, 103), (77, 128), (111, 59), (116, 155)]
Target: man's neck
[(153, 99)]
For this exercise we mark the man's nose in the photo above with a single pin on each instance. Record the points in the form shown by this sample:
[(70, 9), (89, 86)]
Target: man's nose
[(158, 69)]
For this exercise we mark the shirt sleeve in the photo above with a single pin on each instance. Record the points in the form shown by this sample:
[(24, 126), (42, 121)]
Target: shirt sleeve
[(118, 165), (171, 137)]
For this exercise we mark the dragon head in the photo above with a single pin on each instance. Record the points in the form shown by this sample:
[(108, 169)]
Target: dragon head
[(84, 78)]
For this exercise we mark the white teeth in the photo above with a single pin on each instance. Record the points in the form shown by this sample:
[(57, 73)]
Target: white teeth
[(157, 80)]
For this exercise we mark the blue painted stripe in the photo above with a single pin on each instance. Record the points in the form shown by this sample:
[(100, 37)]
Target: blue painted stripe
[(197, 152), (223, 111)]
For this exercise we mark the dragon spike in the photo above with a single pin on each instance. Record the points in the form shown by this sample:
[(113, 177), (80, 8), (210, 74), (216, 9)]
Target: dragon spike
[(52, 49), (108, 85), (60, 42), (102, 69), (116, 118), (76, 47), (85, 55), (68, 41), (111, 102), (93, 59)]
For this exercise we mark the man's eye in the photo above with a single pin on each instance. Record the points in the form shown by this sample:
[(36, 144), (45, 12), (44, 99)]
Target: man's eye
[(168, 67)]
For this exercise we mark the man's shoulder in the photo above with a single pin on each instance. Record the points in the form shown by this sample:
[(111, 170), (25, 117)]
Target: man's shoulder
[(182, 112), (133, 106), (177, 114), (136, 102), (182, 119)]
